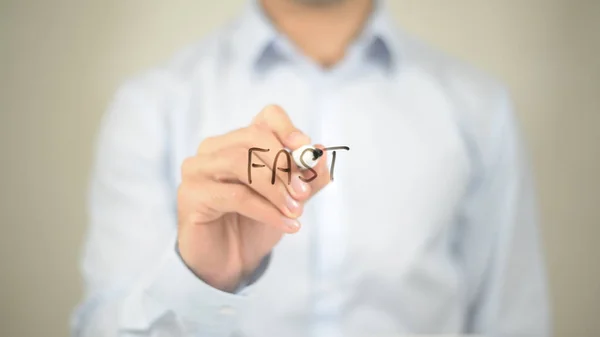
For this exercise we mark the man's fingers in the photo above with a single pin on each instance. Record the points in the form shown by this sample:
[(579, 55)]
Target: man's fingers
[(276, 119), (230, 167), (238, 198), (248, 137), (251, 144)]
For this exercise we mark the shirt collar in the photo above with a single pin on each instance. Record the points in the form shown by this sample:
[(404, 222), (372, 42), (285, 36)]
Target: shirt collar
[(259, 45)]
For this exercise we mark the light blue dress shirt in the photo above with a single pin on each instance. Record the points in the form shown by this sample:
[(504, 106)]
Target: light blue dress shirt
[(429, 227)]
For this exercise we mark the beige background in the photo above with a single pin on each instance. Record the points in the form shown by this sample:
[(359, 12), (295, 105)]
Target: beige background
[(61, 61)]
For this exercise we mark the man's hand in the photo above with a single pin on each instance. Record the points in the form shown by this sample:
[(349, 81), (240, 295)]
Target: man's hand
[(226, 225)]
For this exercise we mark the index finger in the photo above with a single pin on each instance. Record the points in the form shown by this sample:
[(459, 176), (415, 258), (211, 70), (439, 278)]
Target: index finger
[(276, 119)]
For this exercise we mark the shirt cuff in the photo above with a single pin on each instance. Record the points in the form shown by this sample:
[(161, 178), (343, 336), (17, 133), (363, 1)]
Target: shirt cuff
[(173, 287)]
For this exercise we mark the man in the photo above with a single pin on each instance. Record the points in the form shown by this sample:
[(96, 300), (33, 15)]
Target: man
[(428, 226)]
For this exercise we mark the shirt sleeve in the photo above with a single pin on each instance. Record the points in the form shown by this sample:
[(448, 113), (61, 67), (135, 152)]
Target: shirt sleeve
[(501, 247), (135, 281)]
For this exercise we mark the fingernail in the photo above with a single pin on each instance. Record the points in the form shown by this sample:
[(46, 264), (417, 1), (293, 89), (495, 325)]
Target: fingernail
[(299, 187), (297, 138), (292, 224), (292, 205)]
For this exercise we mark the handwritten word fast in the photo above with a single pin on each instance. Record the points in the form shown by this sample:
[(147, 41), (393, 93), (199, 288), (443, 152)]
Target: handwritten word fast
[(288, 159)]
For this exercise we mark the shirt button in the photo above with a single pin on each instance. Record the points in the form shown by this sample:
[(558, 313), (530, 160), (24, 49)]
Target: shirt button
[(226, 310)]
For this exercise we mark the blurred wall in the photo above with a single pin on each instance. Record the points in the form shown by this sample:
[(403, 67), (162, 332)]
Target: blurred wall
[(61, 60)]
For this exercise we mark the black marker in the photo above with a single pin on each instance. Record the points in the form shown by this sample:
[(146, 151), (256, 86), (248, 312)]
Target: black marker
[(306, 156)]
